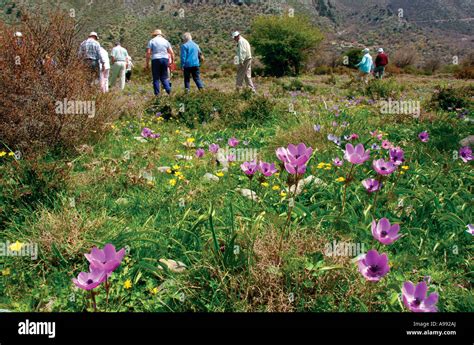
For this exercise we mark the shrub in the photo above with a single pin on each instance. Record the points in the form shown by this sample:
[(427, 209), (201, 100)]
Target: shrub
[(37, 73), (351, 58), (235, 110), (385, 88), (284, 42), (404, 57), (450, 98)]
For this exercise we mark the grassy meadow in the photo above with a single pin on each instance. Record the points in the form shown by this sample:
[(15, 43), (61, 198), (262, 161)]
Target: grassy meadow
[(197, 242)]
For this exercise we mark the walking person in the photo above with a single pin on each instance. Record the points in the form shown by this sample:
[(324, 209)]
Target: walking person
[(191, 56), (89, 51), (244, 62), (380, 62), (365, 66), (128, 74), (157, 51), (105, 71), (119, 60)]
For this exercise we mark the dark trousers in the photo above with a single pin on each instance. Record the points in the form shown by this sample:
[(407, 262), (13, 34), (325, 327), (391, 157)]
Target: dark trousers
[(128, 75), (94, 68), (159, 69), (194, 72)]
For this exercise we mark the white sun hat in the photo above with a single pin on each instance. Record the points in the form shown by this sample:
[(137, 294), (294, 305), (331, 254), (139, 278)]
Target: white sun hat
[(18, 34), (235, 34), (366, 50), (380, 50), (93, 33)]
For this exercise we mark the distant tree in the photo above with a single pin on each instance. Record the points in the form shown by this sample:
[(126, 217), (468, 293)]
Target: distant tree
[(284, 42)]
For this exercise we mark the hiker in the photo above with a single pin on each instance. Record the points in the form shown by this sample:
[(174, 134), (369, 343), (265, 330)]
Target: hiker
[(365, 66), (105, 71), (119, 65), (19, 38), (89, 51), (380, 62), (191, 56), (128, 73), (244, 61), (157, 50)]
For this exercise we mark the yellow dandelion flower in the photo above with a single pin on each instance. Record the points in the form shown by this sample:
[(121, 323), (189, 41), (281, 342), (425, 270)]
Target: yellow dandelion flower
[(6, 272), (172, 182), (168, 171), (11, 154), (154, 291), (16, 247), (340, 179), (178, 173), (405, 167), (177, 131), (282, 193), (265, 184), (127, 284), (181, 177), (3, 153), (220, 174), (402, 172), (190, 140), (327, 168), (176, 167), (275, 187), (277, 173)]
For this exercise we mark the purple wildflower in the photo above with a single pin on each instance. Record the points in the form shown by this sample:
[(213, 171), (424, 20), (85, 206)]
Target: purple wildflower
[(416, 300), (357, 155), (371, 185), (374, 266), (384, 232), (383, 167)]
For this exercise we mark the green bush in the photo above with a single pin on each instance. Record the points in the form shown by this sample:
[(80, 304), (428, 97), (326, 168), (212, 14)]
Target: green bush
[(284, 42), (385, 88), (353, 57), (234, 110), (449, 98)]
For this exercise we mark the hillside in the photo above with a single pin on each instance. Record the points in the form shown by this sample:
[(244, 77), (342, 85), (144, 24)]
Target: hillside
[(434, 29)]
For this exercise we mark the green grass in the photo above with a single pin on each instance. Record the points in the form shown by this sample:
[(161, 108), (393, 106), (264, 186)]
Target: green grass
[(112, 203)]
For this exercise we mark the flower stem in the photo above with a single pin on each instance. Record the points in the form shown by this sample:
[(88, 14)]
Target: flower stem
[(345, 188), (93, 300), (290, 210)]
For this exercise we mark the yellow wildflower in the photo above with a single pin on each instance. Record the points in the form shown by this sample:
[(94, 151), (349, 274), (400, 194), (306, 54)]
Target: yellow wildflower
[(176, 167), (181, 177), (264, 184), (16, 247), (275, 187), (282, 193), (190, 140), (220, 174), (405, 167), (402, 172), (3, 153), (6, 272), (340, 179), (127, 284), (177, 131), (168, 171), (178, 173), (172, 182), (11, 154), (154, 291)]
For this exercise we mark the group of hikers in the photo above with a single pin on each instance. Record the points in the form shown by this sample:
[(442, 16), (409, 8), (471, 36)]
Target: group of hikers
[(160, 52), (367, 66), (118, 64)]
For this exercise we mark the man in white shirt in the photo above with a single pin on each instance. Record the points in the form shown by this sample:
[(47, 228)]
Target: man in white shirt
[(119, 67), (161, 53), (243, 61), (105, 70)]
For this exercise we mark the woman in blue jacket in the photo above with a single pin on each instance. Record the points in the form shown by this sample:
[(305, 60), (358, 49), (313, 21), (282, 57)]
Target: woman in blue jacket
[(365, 66)]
